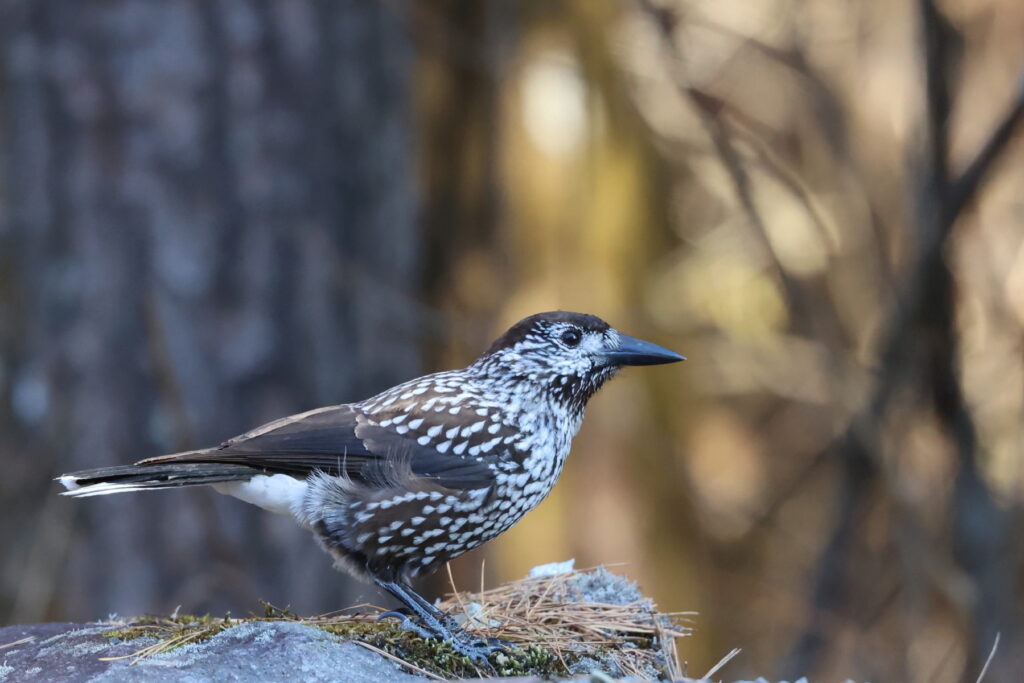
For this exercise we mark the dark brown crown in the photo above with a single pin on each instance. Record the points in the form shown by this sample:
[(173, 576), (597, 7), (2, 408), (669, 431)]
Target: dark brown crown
[(515, 334)]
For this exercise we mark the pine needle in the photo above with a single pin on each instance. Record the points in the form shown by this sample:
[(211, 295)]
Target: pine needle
[(398, 660)]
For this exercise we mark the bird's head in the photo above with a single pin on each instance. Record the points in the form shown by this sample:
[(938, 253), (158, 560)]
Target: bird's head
[(568, 354)]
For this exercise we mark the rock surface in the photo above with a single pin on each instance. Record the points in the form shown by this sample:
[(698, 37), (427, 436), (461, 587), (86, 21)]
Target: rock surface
[(263, 651)]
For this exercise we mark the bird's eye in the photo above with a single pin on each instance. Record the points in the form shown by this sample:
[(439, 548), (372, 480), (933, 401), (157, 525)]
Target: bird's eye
[(571, 337)]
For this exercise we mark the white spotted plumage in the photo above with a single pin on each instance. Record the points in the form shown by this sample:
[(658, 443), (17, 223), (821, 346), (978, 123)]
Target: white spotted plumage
[(395, 485), (477, 413)]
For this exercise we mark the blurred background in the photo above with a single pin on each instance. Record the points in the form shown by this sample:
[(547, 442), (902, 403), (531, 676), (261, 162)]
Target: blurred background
[(216, 213)]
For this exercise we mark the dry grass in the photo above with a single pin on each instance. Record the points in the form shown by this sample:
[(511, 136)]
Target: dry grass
[(552, 612)]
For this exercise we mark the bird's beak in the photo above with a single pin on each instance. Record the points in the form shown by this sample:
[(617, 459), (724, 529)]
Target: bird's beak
[(633, 351)]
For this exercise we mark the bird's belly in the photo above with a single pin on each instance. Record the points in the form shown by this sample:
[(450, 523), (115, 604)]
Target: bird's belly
[(410, 530), (515, 497), (474, 526)]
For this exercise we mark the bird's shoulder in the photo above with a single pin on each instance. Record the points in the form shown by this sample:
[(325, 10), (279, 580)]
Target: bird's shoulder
[(448, 412)]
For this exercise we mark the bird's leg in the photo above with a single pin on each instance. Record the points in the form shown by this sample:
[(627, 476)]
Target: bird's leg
[(443, 617), (447, 620), (435, 624), (428, 617)]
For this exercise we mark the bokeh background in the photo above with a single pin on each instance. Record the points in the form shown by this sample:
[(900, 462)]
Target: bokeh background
[(216, 213)]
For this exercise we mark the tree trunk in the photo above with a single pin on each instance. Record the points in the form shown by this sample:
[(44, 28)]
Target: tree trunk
[(207, 223)]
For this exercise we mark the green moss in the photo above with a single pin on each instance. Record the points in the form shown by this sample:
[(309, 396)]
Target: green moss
[(272, 612), (128, 633), (172, 632), (431, 654), (440, 658)]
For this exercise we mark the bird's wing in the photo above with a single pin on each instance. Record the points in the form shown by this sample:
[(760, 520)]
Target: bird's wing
[(341, 440)]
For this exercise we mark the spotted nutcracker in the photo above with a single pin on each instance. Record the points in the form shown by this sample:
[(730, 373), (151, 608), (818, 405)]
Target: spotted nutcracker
[(398, 484)]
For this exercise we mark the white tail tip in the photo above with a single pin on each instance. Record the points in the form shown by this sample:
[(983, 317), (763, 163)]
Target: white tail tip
[(104, 489), (69, 482)]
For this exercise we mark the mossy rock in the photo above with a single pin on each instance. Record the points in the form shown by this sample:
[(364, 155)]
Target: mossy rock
[(435, 656)]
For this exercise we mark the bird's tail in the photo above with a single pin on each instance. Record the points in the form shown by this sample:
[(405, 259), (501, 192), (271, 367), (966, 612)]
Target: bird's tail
[(106, 480)]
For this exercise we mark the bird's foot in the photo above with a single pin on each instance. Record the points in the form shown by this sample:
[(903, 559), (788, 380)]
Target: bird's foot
[(499, 644), (444, 627), (406, 623), (476, 648)]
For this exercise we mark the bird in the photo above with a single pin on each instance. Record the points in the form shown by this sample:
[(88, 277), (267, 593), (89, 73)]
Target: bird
[(394, 486)]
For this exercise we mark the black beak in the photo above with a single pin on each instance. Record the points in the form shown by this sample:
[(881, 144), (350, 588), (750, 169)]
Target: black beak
[(633, 351)]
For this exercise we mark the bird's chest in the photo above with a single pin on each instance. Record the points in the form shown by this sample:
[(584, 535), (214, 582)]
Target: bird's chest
[(538, 458)]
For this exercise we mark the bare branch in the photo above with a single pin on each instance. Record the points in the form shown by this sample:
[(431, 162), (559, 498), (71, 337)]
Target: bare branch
[(918, 347), (941, 57), (708, 109), (963, 189)]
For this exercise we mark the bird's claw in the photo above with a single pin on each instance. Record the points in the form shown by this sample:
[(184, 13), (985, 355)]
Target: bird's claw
[(444, 627), (400, 613), (406, 623), (479, 650), (497, 644)]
